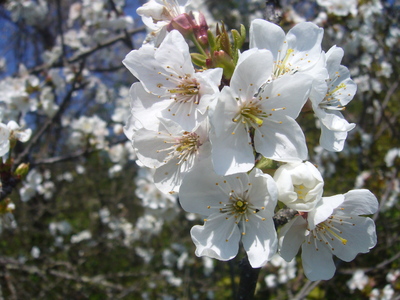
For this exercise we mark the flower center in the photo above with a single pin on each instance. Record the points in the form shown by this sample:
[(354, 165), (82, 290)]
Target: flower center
[(250, 115), (240, 206), (188, 143), (237, 207), (187, 90)]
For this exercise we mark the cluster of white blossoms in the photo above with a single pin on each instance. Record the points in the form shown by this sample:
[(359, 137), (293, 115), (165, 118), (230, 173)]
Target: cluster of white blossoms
[(204, 129)]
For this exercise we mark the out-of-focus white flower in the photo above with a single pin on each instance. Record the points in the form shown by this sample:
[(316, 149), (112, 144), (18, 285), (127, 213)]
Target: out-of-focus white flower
[(340, 7), (393, 275), (361, 178), (145, 253), (358, 281), (171, 278), (61, 227), (10, 133), (81, 236), (208, 265), (115, 170), (46, 189), (300, 185), (271, 280), (35, 252), (30, 185), (287, 270), (150, 195), (158, 14), (391, 156), (89, 129), (47, 101), (31, 12)]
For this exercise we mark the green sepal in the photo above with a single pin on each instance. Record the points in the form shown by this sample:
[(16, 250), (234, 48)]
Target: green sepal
[(211, 40), (199, 59), (266, 165)]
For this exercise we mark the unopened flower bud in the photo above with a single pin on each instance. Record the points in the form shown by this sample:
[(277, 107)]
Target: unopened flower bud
[(22, 170)]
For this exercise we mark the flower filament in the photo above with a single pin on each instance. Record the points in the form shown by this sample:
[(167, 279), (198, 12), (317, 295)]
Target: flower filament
[(330, 101), (282, 66), (330, 230), (184, 148), (187, 89), (239, 208)]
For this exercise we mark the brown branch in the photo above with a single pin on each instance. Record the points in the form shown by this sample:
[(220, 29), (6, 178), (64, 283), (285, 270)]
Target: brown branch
[(84, 54), (283, 216), (99, 280), (248, 280), (306, 289)]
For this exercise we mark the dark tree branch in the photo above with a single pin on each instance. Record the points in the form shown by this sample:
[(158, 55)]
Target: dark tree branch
[(248, 280)]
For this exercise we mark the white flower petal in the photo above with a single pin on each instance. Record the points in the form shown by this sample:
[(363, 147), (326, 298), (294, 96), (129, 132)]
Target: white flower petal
[(318, 265), (282, 142), (209, 238), (359, 202), (291, 236), (266, 35), (253, 69), (260, 242), (360, 237), (324, 210)]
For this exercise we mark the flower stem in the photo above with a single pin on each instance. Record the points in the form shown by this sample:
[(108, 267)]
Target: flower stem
[(248, 280), (197, 44)]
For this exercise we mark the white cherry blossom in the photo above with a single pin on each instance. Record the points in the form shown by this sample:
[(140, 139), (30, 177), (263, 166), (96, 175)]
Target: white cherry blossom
[(340, 91), (237, 208), (250, 105), (167, 73), (340, 7), (10, 133), (158, 14), (335, 227), (172, 151)]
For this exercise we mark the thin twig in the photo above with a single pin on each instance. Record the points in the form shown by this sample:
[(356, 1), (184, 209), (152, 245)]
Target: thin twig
[(82, 55), (35, 139), (306, 289)]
